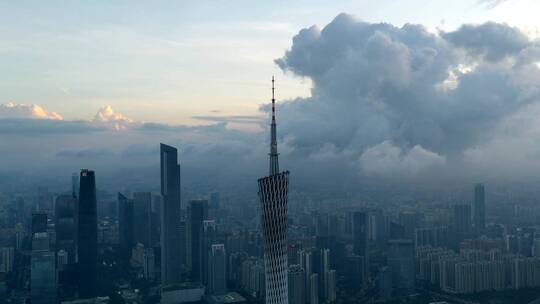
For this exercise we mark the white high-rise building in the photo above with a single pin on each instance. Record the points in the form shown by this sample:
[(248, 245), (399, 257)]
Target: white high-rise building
[(273, 191)]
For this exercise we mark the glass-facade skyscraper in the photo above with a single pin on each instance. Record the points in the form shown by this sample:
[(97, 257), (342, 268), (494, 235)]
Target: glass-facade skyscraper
[(87, 235), (479, 209), (198, 213), (171, 240)]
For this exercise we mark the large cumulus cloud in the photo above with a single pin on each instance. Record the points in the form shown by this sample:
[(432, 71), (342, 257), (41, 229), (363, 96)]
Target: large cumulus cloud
[(406, 90)]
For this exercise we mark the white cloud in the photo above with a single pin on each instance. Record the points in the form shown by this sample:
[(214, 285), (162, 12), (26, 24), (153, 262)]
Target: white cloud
[(108, 116), (16, 110)]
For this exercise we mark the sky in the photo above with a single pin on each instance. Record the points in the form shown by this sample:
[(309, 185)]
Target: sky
[(368, 92), (168, 61)]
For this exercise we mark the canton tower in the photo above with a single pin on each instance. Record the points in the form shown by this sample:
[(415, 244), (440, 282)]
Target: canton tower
[(273, 191)]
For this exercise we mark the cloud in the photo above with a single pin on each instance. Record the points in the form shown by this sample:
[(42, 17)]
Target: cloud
[(491, 3), (35, 127), (34, 111), (388, 159), (244, 119), (106, 115), (491, 40), (84, 153), (376, 84)]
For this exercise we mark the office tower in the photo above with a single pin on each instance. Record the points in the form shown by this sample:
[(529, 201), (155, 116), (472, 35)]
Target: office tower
[(360, 241), (323, 274), (314, 289), (410, 221), (142, 217), (217, 279), (42, 271), (214, 200), (273, 191), (87, 235), (401, 263), (45, 201), (61, 259), (297, 285), (125, 225), (39, 222), (331, 282), (171, 240), (149, 266), (66, 229), (462, 219), (479, 210), (7, 257), (306, 262), (183, 240), (435, 237), (198, 212), (155, 223), (355, 272), (75, 184), (209, 238)]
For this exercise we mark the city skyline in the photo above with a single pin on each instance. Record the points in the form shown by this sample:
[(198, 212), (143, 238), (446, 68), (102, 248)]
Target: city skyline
[(141, 160), (444, 103)]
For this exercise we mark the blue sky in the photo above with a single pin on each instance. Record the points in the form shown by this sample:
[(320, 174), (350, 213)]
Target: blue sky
[(167, 61)]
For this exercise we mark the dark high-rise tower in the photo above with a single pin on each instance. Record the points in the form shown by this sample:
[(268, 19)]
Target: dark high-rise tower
[(360, 241), (198, 212), (273, 190), (479, 210), (142, 216), (87, 235), (39, 222), (125, 225), (170, 216), (65, 225), (462, 220)]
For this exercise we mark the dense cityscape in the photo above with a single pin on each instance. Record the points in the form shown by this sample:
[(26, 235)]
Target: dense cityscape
[(270, 152), (85, 246)]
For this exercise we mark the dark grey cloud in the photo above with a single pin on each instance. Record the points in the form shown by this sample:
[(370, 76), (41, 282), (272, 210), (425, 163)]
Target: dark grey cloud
[(377, 87)]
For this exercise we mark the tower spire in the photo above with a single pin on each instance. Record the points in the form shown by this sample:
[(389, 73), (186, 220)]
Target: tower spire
[(274, 163)]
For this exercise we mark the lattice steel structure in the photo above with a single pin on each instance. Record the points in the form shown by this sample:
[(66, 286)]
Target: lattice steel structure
[(273, 191)]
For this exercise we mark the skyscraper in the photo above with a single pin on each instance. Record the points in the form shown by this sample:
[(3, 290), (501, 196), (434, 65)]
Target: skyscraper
[(209, 238), (273, 190), (314, 288), (75, 184), (401, 263), (42, 271), (142, 216), (65, 225), (171, 241), (87, 235), (462, 219), (198, 213), (125, 225), (39, 222), (479, 210), (297, 285), (360, 241), (217, 280)]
